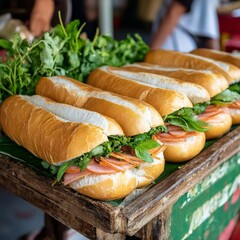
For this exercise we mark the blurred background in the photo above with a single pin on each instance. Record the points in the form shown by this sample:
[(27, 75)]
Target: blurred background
[(114, 17)]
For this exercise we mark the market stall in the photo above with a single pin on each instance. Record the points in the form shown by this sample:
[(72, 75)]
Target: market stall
[(189, 195), (195, 194)]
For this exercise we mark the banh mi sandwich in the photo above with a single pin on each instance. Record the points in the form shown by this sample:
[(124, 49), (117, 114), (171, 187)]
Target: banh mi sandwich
[(230, 58), (175, 107), (217, 86), (126, 111), (169, 58), (139, 120), (70, 91), (218, 116), (80, 144)]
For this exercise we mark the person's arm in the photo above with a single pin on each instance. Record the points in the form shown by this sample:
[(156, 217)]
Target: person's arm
[(41, 15), (175, 11)]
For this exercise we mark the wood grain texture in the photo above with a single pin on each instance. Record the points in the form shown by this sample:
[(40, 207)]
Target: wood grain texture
[(87, 215), (147, 206)]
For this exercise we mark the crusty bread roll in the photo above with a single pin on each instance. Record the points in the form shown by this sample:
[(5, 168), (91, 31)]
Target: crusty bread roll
[(44, 133), (219, 119), (74, 114), (181, 146), (106, 186), (163, 100), (212, 81), (234, 109), (169, 58), (126, 111), (120, 184), (221, 125), (218, 55), (196, 93), (232, 70), (58, 133)]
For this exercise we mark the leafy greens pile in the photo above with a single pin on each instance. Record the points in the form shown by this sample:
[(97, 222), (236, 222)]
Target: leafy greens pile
[(62, 52)]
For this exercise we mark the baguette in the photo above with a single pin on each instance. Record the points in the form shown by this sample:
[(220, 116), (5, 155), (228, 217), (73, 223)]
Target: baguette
[(60, 134), (44, 133), (107, 78), (218, 55), (234, 108), (126, 111), (163, 100), (196, 93), (219, 124), (64, 89), (168, 58), (212, 81)]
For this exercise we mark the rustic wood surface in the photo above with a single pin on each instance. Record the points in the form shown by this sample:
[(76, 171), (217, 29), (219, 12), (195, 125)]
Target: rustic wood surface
[(90, 217)]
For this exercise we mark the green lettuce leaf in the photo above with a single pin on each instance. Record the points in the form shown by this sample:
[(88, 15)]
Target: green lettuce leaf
[(225, 97), (187, 119), (235, 87)]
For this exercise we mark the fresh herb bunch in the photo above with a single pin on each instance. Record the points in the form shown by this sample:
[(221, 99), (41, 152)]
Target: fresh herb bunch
[(62, 52)]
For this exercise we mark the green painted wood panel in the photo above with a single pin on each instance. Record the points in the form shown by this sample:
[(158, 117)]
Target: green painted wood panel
[(205, 211)]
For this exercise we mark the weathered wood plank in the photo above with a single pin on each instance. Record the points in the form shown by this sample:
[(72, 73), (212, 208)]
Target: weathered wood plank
[(158, 228), (147, 206), (62, 203)]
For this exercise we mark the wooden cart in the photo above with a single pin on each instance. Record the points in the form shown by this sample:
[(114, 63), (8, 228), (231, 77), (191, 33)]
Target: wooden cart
[(188, 203)]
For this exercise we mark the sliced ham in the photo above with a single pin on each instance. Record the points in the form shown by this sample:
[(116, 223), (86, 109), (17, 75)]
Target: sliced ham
[(71, 177)]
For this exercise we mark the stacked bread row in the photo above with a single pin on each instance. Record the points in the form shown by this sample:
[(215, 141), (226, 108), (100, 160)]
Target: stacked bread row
[(67, 122)]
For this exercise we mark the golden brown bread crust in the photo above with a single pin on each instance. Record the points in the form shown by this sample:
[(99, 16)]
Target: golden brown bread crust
[(163, 100), (235, 114), (57, 140), (184, 150), (45, 87), (218, 55), (144, 117), (148, 172), (233, 71), (131, 125), (213, 82), (168, 58), (119, 185), (220, 126), (195, 92), (109, 187), (46, 135), (74, 114), (235, 117)]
